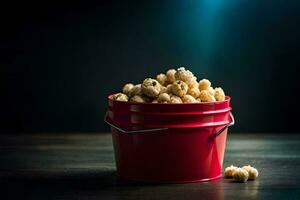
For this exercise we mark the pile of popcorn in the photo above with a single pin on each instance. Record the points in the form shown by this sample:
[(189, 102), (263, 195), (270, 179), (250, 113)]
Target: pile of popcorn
[(241, 174), (176, 86)]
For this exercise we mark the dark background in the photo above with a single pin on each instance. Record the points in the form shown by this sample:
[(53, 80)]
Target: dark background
[(62, 59)]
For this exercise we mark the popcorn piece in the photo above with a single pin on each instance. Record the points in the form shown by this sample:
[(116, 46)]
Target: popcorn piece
[(162, 79), (151, 87), (171, 75), (206, 97), (169, 89), (211, 91), (175, 99), (120, 97), (163, 89), (204, 84), (189, 99), (184, 75), (229, 171), (139, 99), (163, 98), (154, 101), (194, 91), (253, 173), (240, 175), (193, 84), (179, 88), (127, 88), (136, 90), (219, 94)]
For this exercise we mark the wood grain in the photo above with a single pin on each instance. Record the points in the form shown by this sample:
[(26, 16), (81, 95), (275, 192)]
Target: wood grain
[(81, 166)]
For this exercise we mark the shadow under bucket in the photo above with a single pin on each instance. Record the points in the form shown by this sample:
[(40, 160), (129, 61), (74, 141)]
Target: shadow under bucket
[(169, 143)]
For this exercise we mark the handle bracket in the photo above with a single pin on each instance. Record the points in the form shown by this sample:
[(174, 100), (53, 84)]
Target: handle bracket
[(222, 129)]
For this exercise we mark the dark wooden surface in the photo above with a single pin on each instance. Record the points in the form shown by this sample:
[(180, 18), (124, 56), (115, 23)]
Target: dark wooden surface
[(81, 166)]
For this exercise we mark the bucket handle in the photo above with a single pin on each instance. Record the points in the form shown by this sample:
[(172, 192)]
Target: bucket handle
[(160, 129), (227, 125), (134, 131)]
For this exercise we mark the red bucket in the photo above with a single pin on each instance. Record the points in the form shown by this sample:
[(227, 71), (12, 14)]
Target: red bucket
[(169, 143)]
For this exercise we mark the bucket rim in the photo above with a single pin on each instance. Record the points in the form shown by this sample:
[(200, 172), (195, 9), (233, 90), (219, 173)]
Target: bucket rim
[(227, 99), (209, 112)]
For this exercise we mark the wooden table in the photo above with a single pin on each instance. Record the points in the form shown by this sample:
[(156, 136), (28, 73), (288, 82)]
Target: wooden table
[(81, 166)]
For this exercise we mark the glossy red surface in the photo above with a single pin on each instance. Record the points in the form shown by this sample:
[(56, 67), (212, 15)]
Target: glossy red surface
[(185, 152)]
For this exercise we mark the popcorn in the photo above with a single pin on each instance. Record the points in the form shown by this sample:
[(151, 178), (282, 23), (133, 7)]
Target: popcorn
[(205, 96), (175, 99), (171, 75), (127, 88), (194, 91), (240, 175), (184, 75), (253, 173), (193, 83), (163, 89), (204, 84), (189, 99), (139, 99), (219, 94), (120, 97), (136, 90), (151, 87), (211, 91), (162, 79), (179, 88), (176, 86), (229, 171), (163, 98), (169, 89)]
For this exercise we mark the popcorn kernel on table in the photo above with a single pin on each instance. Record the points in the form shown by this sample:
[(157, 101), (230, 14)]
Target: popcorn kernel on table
[(151, 87), (253, 173), (204, 84), (120, 97), (127, 88), (240, 175), (205, 96), (171, 75), (229, 171), (179, 88), (162, 79)]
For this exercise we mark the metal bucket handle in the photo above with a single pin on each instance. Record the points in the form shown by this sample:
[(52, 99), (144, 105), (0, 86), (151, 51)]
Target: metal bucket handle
[(160, 129)]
